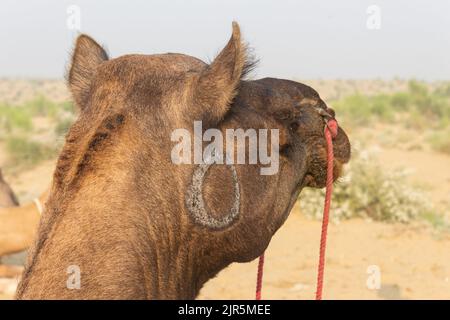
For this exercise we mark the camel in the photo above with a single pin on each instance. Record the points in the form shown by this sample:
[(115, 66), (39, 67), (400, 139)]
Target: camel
[(7, 199), (18, 226), (17, 230), (7, 196), (123, 221)]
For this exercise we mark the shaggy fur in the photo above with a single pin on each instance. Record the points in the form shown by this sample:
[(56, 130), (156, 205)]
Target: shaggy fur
[(117, 204)]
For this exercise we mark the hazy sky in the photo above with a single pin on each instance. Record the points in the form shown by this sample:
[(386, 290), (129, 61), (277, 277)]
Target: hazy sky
[(301, 39)]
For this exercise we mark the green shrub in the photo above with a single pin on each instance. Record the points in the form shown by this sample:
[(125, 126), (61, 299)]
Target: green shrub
[(62, 127), (401, 101), (67, 106), (362, 110), (381, 107), (415, 120), (23, 151), (437, 221), (368, 191), (435, 104), (417, 89), (16, 125), (440, 141), (21, 116), (41, 106), (443, 90), (417, 108), (15, 118), (354, 108)]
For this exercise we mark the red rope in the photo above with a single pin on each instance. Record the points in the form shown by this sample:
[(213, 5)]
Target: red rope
[(330, 133), (259, 277), (331, 129)]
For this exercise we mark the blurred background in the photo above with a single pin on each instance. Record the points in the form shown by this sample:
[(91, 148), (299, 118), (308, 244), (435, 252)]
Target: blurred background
[(382, 65)]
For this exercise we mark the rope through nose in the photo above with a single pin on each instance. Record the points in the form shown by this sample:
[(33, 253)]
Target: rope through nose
[(259, 277), (331, 129)]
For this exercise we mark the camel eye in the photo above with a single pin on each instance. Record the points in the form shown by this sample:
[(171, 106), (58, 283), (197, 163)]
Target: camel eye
[(286, 150), (293, 126)]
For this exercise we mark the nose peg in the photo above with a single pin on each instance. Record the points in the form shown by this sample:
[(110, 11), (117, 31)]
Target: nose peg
[(330, 122), (325, 112), (332, 126)]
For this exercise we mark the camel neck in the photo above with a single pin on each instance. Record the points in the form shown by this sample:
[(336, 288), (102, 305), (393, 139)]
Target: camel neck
[(123, 248)]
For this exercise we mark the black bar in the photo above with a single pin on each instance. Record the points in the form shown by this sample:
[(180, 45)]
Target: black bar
[(234, 309)]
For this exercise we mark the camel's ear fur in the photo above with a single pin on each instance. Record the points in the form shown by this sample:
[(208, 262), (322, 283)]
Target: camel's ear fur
[(218, 83), (87, 56)]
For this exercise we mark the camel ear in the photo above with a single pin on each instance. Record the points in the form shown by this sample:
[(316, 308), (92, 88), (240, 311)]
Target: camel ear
[(87, 56), (218, 82)]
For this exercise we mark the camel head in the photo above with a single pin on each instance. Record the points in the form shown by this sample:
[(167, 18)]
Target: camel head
[(124, 166)]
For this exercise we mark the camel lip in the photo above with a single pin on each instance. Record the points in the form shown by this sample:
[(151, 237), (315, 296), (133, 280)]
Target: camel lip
[(310, 181), (337, 169), (342, 154), (341, 147)]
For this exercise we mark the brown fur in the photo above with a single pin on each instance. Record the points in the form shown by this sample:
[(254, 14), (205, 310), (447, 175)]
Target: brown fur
[(117, 204)]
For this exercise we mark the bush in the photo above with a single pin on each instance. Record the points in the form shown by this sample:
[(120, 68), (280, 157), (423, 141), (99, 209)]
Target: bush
[(440, 141), (23, 151), (401, 101), (62, 127), (16, 125), (417, 88), (14, 117), (42, 107), (362, 110), (443, 90), (368, 191), (67, 106), (417, 107), (381, 107)]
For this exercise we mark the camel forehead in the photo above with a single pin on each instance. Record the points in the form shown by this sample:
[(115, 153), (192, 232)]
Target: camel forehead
[(289, 88), (137, 65), (273, 95)]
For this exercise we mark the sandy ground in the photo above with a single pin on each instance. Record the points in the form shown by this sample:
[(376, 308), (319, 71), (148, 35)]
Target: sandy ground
[(429, 169), (413, 264), (30, 184)]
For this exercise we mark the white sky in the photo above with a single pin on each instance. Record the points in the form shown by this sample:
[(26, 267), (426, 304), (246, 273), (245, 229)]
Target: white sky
[(301, 39)]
